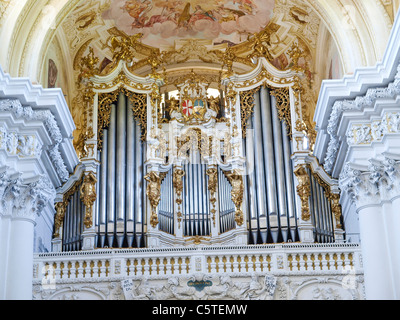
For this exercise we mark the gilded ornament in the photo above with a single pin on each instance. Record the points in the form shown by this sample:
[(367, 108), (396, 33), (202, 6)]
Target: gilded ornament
[(212, 174), (236, 180), (88, 196), (246, 107), (303, 191), (88, 66), (123, 46), (283, 106), (260, 44), (178, 186), (227, 60), (59, 217), (80, 145), (295, 53), (154, 194), (336, 209)]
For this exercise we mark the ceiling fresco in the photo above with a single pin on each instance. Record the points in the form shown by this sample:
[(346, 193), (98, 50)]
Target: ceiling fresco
[(163, 22)]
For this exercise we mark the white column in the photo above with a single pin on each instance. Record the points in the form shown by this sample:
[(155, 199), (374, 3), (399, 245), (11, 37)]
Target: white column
[(25, 202), (20, 260), (376, 256), (392, 214), (4, 240)]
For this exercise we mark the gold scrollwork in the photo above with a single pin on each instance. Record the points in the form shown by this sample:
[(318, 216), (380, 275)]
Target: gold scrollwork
[(283, 106), (88, 66), (246, 107), (259, 44)]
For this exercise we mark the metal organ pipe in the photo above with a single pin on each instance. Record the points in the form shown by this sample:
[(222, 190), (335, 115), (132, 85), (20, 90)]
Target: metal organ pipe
[(288, 171), (103, 186), (138, 174), (111, 171), (259, 160), (251, 190), (130, 174), (280, 167), (268, 151), (130, 163), (120, 158)]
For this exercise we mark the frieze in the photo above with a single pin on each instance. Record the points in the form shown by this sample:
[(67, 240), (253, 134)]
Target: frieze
[(367, 133)]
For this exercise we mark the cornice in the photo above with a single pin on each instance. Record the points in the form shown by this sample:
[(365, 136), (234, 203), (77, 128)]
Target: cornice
[(354, 93)]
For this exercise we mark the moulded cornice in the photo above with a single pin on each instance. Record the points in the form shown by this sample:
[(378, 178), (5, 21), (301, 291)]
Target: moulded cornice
[(38, 98), (48, 106), (353, 93)]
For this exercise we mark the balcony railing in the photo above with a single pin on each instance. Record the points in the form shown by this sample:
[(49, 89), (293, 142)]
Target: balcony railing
[(275, 259)]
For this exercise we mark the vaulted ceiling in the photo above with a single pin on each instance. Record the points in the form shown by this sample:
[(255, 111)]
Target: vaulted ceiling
[(45, 40)]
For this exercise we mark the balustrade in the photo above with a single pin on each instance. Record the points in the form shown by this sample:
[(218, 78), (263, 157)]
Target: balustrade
[(275, 259)]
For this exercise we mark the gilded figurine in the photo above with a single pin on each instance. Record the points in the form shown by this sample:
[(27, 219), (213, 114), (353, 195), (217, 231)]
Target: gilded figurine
[(154, 194), (236, 181), (88, 196)]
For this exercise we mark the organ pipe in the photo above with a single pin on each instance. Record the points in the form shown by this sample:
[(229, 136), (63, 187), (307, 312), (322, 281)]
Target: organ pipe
[(120, 170), (111, 166), (130, 163), (288, 171), (279, 166), (267, 135), (259, 158)]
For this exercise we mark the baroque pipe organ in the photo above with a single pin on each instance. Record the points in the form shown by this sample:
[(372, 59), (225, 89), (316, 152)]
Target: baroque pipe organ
[(194, 165)]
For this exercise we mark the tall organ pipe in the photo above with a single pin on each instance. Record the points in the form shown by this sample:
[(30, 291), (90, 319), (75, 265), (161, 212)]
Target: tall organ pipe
[(111, 174), (269, 165), (259, 170), (130, 170), (289, 179), (103, 186), (120, 157), (280, 167), (268, 151), (251, 189)]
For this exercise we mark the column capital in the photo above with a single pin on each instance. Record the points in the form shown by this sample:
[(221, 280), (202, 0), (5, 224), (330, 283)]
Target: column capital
[(25, 200), (373, 184)]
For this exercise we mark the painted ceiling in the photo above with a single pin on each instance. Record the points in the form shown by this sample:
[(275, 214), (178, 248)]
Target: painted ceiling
[(163, 22)]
